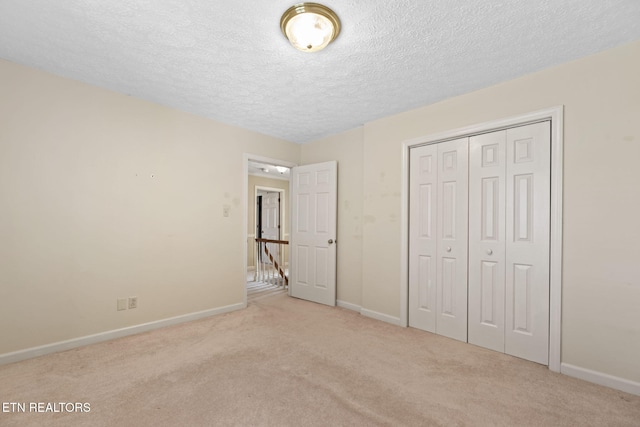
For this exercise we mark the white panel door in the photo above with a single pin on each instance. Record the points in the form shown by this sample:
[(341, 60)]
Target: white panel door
[(423, 184), (452, 239), (487, 156), (271, 216), (528, 195), (270, 221), (313, 232)]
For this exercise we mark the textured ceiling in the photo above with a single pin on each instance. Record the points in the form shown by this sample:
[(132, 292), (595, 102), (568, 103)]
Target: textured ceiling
[(227, 60)]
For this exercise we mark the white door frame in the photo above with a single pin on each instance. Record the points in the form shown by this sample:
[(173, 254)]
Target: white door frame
[(556, 115), (246, 157)]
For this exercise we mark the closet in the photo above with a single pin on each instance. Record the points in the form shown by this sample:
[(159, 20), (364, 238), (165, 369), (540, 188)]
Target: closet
[(479, 224)]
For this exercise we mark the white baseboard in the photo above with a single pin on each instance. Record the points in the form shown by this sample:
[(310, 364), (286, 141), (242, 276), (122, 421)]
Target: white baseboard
[(348, 306), (369, 313), (380, 316), (29, 353), (601, 378)]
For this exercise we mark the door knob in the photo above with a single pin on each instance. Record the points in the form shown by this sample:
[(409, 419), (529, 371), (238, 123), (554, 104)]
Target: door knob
[(489, 251), (330, 241), (448, 248)]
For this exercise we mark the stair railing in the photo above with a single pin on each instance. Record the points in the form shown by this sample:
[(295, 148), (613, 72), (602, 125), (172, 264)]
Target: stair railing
[(271, 263)]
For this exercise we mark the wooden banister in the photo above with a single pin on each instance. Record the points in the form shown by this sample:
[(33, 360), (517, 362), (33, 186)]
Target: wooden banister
[(280, 242)]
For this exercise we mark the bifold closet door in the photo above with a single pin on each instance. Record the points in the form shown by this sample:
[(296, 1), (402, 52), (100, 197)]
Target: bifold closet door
[(509, 214), (487, 169), (423, 195), (452, 239), (438, 222), (528, 189)]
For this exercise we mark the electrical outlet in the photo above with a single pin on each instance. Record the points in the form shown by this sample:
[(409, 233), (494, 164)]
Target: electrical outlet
[(122, 304), (133, 302), (225, 210)]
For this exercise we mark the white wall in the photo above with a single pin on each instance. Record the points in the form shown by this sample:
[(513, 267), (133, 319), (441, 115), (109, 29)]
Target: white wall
[(106, 196), (601, 276)]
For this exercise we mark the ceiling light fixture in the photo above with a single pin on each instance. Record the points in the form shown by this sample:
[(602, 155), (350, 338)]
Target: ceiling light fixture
[(310, 27)]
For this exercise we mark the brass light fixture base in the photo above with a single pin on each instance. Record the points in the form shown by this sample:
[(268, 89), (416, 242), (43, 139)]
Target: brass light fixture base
[(323, 16)]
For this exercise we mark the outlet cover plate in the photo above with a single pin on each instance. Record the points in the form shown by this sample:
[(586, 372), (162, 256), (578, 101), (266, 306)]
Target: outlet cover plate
[(122, 304)]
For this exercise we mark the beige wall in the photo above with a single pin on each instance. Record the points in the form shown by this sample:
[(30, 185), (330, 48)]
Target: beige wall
[(261, 181), (107, 196), (346, 148), (82, 221), (601, 276)]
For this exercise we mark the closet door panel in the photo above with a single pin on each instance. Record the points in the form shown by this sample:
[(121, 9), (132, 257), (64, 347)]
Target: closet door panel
[(452, 239), (528, 195), (423, 186), (487, 157)]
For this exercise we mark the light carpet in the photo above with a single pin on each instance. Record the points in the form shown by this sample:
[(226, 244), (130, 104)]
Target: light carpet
[(287, 362)]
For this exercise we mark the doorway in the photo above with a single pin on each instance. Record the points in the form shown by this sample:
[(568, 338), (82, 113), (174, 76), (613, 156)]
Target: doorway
[(269, 219), (266, 213)]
